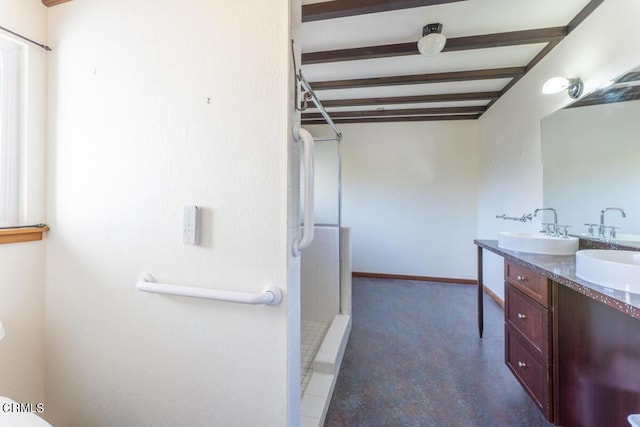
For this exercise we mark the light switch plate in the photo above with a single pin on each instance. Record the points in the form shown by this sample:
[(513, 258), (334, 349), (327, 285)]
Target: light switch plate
[(191, 225)]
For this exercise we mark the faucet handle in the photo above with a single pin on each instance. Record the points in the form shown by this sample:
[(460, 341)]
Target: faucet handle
[(591, 226), (612, 232), (565, 232), (551, 229), (602, 231)]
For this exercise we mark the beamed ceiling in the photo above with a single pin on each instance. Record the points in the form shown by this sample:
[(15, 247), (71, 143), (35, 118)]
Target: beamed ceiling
[(361, 56)]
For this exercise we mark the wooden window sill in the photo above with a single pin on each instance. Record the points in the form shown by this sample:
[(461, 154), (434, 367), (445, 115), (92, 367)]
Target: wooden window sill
[(50, 3), (26, 234)]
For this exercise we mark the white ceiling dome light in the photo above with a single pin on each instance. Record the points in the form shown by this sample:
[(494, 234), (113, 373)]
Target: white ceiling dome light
[(432, 41)]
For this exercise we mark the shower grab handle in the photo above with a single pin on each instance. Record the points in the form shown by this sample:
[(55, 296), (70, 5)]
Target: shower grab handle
[(308, 226), (271, 295)]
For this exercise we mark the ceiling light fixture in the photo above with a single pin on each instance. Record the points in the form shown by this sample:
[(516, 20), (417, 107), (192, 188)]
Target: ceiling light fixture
[(432, 41), (558, 84)]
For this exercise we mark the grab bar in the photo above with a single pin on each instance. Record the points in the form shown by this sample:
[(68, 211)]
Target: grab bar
[(271, 295), (308, 228)]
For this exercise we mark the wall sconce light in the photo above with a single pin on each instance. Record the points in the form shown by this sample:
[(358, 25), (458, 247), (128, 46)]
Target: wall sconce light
[(432, 41), (558, 84)]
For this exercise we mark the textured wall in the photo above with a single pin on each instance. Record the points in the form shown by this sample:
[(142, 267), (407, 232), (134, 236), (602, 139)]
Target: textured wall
[(156, 105), (409, 196)]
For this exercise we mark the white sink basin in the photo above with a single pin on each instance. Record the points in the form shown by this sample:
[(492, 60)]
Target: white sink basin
[(633, 238), (537, 243), (613, 269), (620, 237)]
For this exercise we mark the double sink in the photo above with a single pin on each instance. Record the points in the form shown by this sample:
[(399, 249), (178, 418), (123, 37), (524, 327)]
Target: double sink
[(616, 269)]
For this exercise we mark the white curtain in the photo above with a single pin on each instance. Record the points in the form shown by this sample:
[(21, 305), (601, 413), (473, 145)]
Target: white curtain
[(10, 109)]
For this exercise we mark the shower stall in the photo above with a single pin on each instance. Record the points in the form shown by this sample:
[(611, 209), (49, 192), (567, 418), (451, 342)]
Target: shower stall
[(325, 288), (325, 277)]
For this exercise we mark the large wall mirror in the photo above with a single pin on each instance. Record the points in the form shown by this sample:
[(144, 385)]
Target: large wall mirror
[(591, 160)]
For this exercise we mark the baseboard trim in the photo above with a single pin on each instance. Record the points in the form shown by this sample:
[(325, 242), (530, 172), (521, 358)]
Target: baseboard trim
[(493, 296), (418, 278)]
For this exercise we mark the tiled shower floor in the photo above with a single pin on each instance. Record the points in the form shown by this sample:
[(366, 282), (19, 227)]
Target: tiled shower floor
[(312, 335)]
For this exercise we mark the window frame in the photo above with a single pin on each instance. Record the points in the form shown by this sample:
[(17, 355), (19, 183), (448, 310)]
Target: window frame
[(12, 129), (16, 132)]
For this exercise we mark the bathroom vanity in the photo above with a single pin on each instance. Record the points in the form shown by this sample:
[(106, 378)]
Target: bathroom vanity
[(573, 345), (527, 332)]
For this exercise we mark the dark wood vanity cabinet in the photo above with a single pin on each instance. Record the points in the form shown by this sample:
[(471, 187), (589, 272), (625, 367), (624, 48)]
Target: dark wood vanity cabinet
[(574, 346), (597, 378), (528, 333), (577, 358)]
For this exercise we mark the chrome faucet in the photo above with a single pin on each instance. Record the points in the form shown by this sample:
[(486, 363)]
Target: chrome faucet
[(602, 227), (554, 231)]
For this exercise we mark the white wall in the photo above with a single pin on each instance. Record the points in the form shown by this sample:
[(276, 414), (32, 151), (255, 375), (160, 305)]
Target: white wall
[(327, 183), (320, 276), (22, 264), (509, 133), (133, 140), (409, 196)]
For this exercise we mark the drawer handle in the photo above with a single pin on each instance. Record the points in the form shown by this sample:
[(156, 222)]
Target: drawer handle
[(521, 278), (521, 316), (522, 365)]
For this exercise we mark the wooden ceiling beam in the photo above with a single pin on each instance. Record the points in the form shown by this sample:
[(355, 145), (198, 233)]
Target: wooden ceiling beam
[(50, 3), (577, 20), (583, 14), (513, 38), (416, 99), (456, 76), (403, 112), (357, 53), (396, 119), (342, 8), (548, 48)]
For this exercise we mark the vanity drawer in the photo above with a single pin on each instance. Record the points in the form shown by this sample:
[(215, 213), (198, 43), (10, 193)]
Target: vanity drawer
[(531, 372), (528, 318), (528, 281)]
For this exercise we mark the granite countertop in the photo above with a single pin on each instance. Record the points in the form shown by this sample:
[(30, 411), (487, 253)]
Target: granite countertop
[(562, 269)]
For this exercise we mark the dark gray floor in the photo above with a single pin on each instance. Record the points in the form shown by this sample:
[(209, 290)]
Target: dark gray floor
[(414, 359)]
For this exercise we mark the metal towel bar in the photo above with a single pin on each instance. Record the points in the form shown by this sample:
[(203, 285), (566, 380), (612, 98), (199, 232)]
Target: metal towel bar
[(271, 295)]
